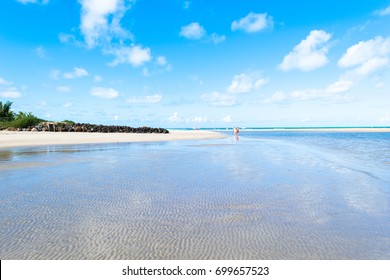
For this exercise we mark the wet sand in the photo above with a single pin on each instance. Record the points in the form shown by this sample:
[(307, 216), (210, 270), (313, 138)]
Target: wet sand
[(11, 139), (287, 196)]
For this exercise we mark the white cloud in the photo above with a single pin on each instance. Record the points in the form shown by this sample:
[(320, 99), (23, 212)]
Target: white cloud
[(63, 89), (366, 57), (161, 60), (339, 86), (40, 52), (383, 12), (4, 82), (100, 21), (307, 94), (199, 119), (246, 82), (78, 72), (11, 93), (253, 23), (97, 78), (146, 99), (70, 38), (276, 97), (42, 2), (331, 92), (227, 119), (364, 51), (101, 92), (174, 118), (218, 99), (67, 104), (135, 55), (309, 54), (193, 31), (216, 39)]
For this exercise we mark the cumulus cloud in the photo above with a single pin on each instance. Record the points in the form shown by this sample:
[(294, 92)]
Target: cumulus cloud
[(42, 2), (135, 55), (4, 82), (367, 57), (216, 39), (101, 92), (146, 99), (339, 86), (307, 94), (309, 54), (10, 93), (246, 82), (78, 72), (253, 23), (100, 21), (219, 99), (331, 92), (192, 31), (276, 97), (383, 12)]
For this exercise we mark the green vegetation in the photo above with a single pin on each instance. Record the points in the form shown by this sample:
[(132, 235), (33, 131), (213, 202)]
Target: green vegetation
[(6, 114), (19, 120), (69, 122)]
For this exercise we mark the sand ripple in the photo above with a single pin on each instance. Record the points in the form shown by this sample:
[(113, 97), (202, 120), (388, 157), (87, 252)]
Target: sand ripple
[(224, 201)]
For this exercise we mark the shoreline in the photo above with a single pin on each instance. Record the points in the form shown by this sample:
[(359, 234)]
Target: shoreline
[(15, 139)]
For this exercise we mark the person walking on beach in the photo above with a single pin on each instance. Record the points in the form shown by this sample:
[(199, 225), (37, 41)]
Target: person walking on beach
[(236, 132)]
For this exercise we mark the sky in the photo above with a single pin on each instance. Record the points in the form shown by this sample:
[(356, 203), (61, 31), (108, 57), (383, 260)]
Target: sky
[(199, 63)]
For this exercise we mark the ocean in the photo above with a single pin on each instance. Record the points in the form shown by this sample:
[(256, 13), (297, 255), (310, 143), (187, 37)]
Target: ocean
[(263, 195)]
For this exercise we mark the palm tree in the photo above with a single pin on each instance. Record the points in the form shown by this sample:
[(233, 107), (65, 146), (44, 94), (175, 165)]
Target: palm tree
[(6, 114)]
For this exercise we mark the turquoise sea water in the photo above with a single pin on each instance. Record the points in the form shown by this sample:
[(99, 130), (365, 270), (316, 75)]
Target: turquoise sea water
[(266, 195)]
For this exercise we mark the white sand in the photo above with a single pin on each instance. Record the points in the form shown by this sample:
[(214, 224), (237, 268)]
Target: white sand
[(10, 139)]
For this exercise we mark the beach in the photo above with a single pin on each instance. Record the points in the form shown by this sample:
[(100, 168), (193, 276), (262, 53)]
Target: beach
[(262, 195), (9, 139)]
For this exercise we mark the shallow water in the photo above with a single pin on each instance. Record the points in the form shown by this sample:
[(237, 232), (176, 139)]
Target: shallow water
[(265, 196)]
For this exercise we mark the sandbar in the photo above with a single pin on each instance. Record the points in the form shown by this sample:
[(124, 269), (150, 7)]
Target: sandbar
[(12, 139)]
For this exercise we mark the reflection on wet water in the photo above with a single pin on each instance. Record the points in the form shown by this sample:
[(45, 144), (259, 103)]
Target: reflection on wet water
[(268, 198)]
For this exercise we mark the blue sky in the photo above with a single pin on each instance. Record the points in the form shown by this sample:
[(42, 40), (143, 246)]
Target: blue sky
[(176, 63)]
